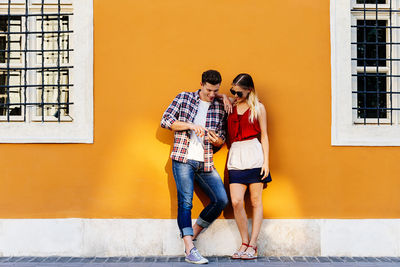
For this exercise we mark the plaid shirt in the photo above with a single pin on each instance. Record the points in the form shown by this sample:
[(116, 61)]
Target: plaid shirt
[(184, 108)]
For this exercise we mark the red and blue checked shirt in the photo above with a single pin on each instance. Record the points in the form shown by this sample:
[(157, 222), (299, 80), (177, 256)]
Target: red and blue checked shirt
[(184, 108)]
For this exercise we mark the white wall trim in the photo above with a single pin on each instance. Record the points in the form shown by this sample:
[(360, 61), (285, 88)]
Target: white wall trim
[(150, 237), (343, 131)]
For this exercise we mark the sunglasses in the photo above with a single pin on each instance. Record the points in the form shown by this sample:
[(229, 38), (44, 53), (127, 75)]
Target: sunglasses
[(238, 93)]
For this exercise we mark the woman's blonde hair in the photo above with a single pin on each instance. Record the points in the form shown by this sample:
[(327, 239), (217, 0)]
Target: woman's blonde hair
[(245, 82)]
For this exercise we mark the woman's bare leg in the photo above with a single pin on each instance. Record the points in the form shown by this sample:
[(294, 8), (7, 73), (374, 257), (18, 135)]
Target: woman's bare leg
[(256, 190), (237, 197)]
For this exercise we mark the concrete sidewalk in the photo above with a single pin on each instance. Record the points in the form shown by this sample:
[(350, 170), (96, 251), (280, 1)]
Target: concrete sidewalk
[(214, 261)]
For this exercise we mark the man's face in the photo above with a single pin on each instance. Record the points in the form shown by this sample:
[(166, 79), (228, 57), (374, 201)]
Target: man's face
[(208, 91)]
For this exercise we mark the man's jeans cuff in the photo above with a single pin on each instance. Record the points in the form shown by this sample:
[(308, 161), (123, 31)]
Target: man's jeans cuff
[(202, 223), (187, 231)]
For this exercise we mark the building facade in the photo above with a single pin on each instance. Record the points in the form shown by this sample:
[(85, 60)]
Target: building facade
[(84, 84)]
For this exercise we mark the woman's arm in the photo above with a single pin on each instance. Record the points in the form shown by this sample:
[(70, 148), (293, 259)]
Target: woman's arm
[(228, 101), (264, 141)]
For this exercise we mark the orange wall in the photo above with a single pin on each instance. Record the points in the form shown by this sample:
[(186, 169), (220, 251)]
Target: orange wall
[(148, 51)]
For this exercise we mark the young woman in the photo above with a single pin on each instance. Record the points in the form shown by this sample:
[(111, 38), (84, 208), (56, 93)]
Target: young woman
[(247, 160)]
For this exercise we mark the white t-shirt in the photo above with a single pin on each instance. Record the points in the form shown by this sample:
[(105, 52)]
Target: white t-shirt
[(196, 144)]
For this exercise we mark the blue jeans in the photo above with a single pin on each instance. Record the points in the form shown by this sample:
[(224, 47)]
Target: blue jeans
[(210, 182)]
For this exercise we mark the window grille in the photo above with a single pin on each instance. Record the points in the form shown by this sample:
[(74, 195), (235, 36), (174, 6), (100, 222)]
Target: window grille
[(375, 58), (35, 61)]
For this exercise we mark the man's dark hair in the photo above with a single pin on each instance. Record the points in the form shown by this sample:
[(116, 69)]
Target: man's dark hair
[(211, 76)]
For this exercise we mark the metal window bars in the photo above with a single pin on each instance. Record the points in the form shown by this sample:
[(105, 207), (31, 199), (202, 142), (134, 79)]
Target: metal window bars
[(35, 58), (375, 93)]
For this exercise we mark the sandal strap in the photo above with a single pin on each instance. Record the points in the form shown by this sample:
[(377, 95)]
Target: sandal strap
[(253, 247), (249, 254), (244, 244)]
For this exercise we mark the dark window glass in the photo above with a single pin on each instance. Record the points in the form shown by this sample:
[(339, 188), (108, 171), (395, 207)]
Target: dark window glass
[(368, 47), (371, 1), (15, 39), (14, 93), (3, 46), (3, 23), (375, 87)]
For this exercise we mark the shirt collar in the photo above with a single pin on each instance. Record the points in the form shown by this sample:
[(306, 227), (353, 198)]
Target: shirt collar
[(197, 96)]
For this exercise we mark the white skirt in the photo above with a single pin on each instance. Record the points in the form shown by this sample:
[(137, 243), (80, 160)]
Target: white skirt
[(245, 155)]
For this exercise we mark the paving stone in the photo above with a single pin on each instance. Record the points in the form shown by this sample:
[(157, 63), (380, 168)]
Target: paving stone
[(138, 259), (126, 259), (23, 264), (224, 259), (75, 260), (323, 259), (174, 259), (347, 259), (262, 259), (161, 259), (360, 259), (87, 260), (299, 259), (214, 261), (210, 259), (99, 260), (63, 259), (311, 259), (371, 259), (383, 259), (28, 259), (274, 259), (50, 259), (93, 265), (393, 259), (286, 259), (14, 259), (118, 264), (186, 264), (37, 259), (336, 259), (112, 259)]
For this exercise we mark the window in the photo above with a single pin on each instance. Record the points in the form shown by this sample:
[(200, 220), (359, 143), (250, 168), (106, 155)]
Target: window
[(46, 74), (365, 71)]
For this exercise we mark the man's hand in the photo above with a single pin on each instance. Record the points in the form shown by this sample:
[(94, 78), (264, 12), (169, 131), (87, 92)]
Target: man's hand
[(214, 139), (199, 130)]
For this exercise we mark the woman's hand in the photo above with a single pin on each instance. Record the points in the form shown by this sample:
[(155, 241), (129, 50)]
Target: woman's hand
[(227, 104), (264, 171)]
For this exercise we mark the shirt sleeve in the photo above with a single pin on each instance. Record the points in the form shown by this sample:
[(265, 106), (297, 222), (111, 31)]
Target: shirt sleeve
[(221, 131), (171, 114), (222, 128)]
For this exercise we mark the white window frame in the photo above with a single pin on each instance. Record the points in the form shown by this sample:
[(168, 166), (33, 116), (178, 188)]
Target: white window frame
[(80, 129), (344, 132)]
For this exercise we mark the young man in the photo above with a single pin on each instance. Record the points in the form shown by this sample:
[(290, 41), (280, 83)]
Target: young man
[(197, 119)]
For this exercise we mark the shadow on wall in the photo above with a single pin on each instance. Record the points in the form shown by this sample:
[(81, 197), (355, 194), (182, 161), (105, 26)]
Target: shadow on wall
[(166, 137), (278, 196), (136, 181)]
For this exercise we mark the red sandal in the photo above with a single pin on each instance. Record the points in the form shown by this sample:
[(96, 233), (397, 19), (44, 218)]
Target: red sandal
[(238, 254), (249, 255)]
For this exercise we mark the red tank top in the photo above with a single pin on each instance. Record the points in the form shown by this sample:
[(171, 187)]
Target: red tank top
[(240, 128)]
